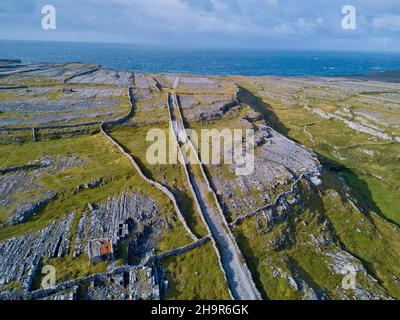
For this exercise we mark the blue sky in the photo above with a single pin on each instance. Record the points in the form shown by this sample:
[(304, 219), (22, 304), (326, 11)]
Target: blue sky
[(306, 24)]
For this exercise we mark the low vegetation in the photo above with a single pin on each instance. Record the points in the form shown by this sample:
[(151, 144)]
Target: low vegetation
[(195, 275)]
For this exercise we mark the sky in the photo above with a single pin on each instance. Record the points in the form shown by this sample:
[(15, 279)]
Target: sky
[(272, 24)]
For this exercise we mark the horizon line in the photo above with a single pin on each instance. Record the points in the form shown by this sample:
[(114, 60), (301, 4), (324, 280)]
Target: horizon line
[(180, 46)]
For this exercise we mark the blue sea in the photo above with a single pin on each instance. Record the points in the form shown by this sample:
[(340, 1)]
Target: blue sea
[(158, 59)]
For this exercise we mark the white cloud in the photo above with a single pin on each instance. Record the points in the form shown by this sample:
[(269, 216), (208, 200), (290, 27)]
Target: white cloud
[(230, 22), (271, 3), (387, 22), (296, 27)]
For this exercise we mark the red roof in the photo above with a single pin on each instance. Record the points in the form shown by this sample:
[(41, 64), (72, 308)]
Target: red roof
[(105, 247)]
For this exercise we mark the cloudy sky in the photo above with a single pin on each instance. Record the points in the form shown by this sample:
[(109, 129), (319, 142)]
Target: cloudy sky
[(306, 24)]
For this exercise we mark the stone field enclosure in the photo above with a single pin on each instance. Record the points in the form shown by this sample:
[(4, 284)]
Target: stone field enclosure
[(324, 195)]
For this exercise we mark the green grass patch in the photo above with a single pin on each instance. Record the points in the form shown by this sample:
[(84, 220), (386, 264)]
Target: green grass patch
[(196, 275), (170, 175)]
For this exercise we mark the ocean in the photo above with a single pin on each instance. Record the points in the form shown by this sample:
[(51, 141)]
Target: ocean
[(157, 59)]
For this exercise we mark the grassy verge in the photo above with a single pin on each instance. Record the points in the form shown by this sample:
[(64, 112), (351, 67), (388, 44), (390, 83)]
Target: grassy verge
[(170, 175), (195, 275)]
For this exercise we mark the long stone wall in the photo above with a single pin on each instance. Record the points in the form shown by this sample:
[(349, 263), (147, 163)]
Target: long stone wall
[(35, 130), (23, 167), (82, 74), (182, 158), (108, 124), (255, 293), (66, 126), (178, 251), (75, 283)]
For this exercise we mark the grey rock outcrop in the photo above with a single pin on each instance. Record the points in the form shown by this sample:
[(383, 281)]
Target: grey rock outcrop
[(122, 283), (20, 257)]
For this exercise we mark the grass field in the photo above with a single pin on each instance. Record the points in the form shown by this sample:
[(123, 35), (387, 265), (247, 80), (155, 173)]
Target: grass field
[(370, 164), (170, 175), (195, 275), (102, 160)]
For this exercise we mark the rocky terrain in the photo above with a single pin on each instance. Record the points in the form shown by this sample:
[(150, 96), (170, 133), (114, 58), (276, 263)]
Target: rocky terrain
[(317, 218)]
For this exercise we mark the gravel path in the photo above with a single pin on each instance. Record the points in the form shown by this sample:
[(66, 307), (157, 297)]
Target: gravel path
[(237, 273)]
